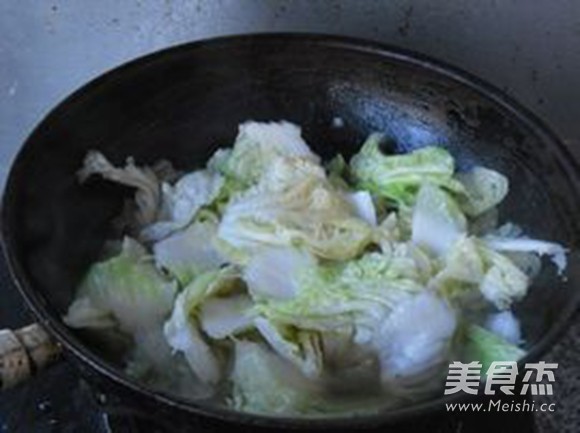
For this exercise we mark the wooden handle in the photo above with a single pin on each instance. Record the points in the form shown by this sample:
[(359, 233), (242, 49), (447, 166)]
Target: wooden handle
[(25, 351)]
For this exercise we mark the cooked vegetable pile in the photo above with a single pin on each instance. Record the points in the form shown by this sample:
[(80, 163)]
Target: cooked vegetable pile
[(279, 284)]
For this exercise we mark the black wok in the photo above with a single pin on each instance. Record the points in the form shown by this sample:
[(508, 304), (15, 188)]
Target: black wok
[(183, 103)]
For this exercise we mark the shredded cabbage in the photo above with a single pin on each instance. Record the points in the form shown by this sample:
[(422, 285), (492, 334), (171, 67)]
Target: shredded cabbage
[(486, 347), (280, 286), (190, 252), (127, 289), (437, 220), (484, 189), (260, 144), (408, 346), (505, 325), (182, 201), (264, 383), (294, 205), (182, 330), (143, 179), (398, 177)]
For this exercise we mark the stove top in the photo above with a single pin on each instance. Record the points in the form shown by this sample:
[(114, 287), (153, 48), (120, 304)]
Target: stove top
[(58, 400)]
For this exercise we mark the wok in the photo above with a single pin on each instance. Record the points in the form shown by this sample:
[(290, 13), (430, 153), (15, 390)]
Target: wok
[(183, 103)]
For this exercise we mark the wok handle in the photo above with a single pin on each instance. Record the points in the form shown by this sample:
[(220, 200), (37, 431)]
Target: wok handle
[(25, 351)]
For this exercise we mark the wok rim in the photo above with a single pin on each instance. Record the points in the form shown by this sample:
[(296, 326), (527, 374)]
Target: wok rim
[(381, 50)]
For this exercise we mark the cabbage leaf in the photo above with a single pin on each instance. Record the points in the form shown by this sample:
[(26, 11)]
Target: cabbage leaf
[(486, 347), (188, 253), (182, 329), (258, 144), (398, 177), (294, 205), (127, 288)]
